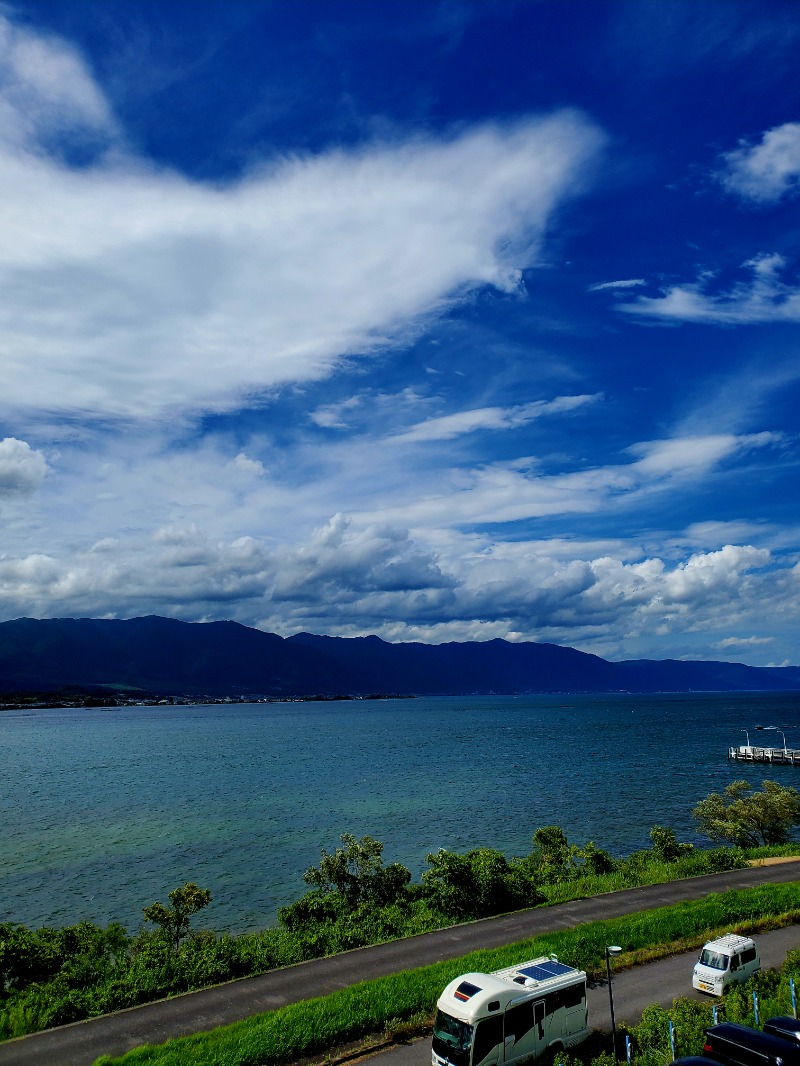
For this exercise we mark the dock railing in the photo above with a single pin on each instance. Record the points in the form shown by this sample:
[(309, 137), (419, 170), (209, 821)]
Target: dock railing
[(751, 753)]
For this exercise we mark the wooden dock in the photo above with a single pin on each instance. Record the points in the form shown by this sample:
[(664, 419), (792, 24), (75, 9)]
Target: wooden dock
[(750, 753)]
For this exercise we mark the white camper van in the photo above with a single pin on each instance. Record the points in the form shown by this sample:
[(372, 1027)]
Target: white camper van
[(511, 1015), (722, 962)]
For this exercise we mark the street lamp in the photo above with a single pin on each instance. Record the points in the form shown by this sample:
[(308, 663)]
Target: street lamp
[(746, 733), (612, 949), (774, 729)]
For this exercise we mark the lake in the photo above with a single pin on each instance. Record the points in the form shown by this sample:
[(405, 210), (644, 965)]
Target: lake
[(105, 810)]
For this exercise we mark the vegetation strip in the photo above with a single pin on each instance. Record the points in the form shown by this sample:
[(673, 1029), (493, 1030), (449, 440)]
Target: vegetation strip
[(316, 1025)]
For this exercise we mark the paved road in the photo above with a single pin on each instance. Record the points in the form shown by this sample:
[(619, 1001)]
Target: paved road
[(657, 982), (81, 1043)]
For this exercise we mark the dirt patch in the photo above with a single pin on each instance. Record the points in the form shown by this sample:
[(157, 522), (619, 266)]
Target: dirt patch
[(773, 860)]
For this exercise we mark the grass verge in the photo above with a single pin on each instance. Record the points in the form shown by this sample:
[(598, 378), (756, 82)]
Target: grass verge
[(315, 1025)]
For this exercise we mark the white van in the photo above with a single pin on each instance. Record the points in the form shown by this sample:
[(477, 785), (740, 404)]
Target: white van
[(510, 1015), (724, 961)]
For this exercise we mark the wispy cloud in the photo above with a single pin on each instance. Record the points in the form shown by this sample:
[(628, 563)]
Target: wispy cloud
[(48, 98), (630, 283), (762, 298), (743, 642), (131, 290), (514, 491), (766, 171), (448, 427)]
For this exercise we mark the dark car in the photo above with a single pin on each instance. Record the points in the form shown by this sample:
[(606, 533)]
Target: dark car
[(738, 1045), (788, 1028), (694, 1060)]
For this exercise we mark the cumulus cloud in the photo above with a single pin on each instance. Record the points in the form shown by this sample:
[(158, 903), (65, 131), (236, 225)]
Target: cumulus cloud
[(250, 466), (22, 468), (766, 171), (131, 290), (761, 298), (493, 418), (353, 580)]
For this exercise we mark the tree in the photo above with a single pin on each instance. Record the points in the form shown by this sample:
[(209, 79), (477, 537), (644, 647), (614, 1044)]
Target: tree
[(174, 921), (665, 844), (357, 873), (477, 884), (552, 856), (747, 818)]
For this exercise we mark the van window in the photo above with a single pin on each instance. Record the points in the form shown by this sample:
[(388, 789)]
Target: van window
[(734, 962), (488, 1034), (748, 955), (715, 959)]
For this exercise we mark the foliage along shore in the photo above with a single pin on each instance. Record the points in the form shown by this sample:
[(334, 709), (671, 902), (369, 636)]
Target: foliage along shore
[(402, 1004), (51, 977)]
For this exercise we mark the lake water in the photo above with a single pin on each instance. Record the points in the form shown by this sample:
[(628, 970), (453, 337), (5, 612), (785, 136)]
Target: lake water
[(106, 810)]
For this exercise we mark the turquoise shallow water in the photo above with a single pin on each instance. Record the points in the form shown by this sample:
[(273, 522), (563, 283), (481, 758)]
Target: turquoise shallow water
[(106, 810)]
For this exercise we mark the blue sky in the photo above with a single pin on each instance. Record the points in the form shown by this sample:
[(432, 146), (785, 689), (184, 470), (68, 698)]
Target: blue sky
[(435, 320)]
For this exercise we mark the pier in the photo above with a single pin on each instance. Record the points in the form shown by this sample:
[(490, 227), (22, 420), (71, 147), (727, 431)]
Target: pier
[(750, 753)]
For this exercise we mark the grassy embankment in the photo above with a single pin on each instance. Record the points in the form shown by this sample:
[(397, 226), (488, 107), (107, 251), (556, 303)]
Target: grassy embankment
[(404, 1002), (51, 977)]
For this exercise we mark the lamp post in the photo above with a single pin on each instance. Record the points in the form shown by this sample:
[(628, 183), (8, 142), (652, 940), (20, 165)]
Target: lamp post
[(746, 733), (774, 729), (612, 949)]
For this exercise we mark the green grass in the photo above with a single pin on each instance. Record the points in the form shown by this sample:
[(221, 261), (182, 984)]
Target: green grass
[(316, 1025)]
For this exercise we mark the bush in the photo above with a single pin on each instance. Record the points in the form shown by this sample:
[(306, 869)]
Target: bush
[(481, 883)]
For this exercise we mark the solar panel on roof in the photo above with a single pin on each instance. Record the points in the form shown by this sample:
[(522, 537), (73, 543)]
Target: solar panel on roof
[(542, 971)]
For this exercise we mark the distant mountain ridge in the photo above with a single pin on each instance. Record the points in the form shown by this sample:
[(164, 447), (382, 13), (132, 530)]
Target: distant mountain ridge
[(163, 655)]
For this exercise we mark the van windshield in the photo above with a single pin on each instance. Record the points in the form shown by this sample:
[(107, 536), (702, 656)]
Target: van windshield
[(451, 1031), (715, 959)]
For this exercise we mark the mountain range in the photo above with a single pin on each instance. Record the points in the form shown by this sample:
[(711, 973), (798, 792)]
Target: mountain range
[(217, 659)]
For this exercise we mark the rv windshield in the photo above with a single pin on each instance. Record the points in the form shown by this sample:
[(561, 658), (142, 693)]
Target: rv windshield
[(456, 1034), (715, 959)]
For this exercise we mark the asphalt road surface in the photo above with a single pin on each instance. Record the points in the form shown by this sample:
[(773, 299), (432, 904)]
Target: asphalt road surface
[(81, 1043)]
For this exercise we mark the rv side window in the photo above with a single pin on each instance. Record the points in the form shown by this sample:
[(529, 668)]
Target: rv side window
[(519, 1020), (572, 996), (488, 1034), (565, 997)]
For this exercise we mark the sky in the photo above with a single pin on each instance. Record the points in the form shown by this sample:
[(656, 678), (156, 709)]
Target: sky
[(429, 319)]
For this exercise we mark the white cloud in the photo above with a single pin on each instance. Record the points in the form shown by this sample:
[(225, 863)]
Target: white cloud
[(763, 298), (767, 171), (129, 290), (350, 580), (334, 415), (247, 465), (736, 642), (694, 454), (512, 491), (22, 468), (630, 283), (493, 418), (46, 92)]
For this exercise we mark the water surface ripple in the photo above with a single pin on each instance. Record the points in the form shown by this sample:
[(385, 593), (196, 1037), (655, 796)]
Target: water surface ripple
[(106, 810)]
